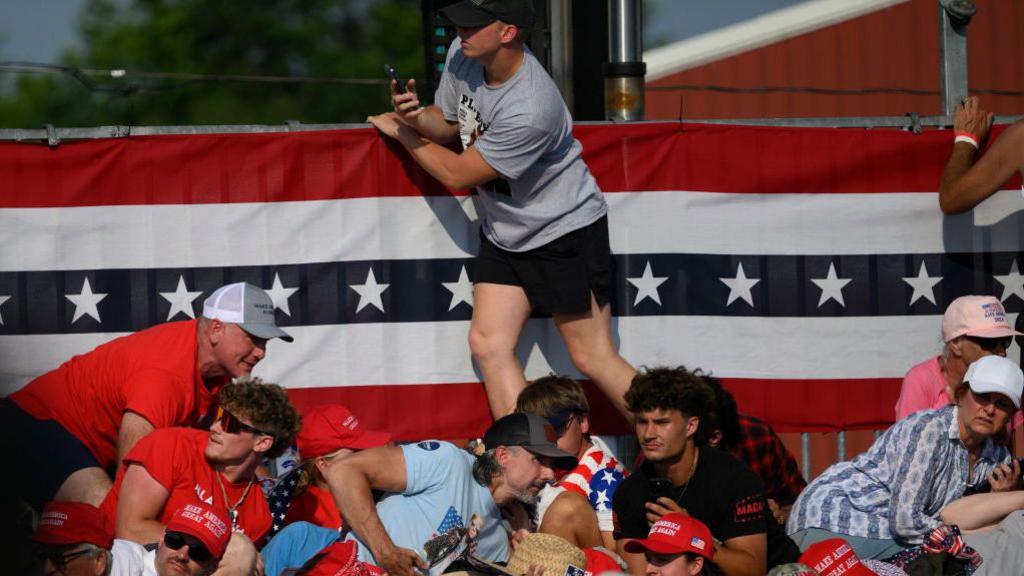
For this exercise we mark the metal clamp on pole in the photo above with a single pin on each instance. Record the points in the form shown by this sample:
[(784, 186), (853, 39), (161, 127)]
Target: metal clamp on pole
[(625, 70), (52, 139), (954, 16), (915, 122)]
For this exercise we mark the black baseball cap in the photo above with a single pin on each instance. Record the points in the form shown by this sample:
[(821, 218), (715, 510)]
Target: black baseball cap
[(531, 432), (474, 13)]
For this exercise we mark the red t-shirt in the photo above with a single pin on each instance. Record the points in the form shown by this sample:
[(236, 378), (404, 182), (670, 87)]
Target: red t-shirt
[(174, 458), (152, 373), (315, 506)]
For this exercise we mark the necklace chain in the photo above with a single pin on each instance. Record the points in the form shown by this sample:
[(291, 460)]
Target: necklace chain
[(689, 476), (233, 509)]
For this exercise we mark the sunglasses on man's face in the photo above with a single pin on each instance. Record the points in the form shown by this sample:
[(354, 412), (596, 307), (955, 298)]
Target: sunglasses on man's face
[(992, 344), (232, 425), (60, 560), (196, 550)]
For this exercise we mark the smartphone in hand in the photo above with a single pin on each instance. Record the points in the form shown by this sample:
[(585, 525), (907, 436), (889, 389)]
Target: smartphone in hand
[(658, 487), (390, 71)]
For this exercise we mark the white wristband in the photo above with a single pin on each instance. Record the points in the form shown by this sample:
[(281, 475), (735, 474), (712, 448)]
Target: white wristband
[(967, 139)]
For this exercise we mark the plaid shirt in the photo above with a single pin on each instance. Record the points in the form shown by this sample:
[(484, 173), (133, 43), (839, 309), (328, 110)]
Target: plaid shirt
[(762, 450)]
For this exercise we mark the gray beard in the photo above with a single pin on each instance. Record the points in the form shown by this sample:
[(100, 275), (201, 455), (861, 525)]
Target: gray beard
[(526, 498)]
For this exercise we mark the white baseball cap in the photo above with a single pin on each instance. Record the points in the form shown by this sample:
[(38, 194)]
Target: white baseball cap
[(996, 374), (246, 305)]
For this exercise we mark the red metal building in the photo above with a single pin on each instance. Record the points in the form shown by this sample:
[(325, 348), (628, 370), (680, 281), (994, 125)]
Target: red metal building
[(837, 45)]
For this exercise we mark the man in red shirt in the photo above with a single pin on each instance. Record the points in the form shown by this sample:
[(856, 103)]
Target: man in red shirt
[(173, 467), (72, 426)]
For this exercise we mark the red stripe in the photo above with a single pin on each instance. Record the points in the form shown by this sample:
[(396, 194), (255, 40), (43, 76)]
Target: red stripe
[(359, 163), (415, 412)]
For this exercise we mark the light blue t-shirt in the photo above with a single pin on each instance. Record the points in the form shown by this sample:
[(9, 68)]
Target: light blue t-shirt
[(440, 500)]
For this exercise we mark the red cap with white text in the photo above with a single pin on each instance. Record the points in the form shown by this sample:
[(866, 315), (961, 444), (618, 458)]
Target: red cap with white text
[(675, 534)]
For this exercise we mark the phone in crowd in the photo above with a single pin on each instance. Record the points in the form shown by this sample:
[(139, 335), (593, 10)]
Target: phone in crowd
[(985, 487), (658, 487), (390, 71)]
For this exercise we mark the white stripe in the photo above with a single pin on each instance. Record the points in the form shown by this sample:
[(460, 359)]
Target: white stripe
[(416, 228), (422, 353)]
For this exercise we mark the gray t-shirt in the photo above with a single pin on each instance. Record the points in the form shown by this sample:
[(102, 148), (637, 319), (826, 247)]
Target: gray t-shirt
[(523, 130)]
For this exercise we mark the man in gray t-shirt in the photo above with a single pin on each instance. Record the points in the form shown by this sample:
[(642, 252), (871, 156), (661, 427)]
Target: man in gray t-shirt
[(544, 231), (523, 130)]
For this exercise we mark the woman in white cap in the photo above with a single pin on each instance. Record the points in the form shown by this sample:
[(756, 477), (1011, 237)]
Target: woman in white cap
[(892, 496)]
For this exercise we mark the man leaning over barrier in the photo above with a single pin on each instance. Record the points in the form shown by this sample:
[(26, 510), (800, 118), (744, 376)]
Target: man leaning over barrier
[(72, 426), (544, 229)]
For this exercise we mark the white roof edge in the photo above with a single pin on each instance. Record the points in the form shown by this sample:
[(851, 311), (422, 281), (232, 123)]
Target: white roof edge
[(759, 31)]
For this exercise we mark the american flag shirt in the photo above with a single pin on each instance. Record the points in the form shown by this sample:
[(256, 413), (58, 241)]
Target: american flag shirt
[(596, 478)]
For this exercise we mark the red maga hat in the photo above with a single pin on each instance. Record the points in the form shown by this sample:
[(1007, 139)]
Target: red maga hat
[(329, 428), (64, 523), (205, 524), (833, 557), (675, 534)]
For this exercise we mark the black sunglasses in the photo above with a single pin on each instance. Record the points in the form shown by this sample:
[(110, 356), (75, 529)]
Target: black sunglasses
[(196, 550), (59, 560), (561, 430), (992, 344), (232, 425)]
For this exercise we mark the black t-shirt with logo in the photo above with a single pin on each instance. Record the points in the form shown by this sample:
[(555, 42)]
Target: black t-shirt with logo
[(723, 494)]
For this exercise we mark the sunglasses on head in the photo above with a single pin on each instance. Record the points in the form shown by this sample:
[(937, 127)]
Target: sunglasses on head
[(992, 344), (232, 425), (196, 550)]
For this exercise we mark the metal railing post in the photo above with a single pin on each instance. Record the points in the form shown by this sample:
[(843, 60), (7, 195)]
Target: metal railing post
[(954, 16)]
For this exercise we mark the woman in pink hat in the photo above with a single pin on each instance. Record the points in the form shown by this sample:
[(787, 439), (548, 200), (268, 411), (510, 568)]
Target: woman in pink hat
[(972, 327)]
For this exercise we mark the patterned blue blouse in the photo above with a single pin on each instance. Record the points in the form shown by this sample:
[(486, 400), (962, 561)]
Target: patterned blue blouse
[(897, 488)]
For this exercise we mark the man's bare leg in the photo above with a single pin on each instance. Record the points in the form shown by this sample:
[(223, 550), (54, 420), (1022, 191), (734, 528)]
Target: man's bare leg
[(499, 312), (588, 337), (89, 485)]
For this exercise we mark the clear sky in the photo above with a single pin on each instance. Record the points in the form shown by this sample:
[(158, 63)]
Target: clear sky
[(37, 30)]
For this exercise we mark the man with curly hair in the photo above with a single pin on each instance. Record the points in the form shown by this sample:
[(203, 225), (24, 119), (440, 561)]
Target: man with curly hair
[(671, 409), (173, 467)]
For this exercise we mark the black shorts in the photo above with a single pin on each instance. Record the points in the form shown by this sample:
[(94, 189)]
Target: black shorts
[(46, 454), (558, 277)]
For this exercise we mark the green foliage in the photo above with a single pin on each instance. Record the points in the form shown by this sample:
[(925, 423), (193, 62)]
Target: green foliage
[(319, 38)]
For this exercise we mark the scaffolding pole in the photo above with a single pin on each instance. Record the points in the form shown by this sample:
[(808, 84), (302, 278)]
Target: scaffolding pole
[(954, 16)]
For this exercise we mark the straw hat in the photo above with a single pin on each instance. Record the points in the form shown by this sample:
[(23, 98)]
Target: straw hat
[(556, 555)]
